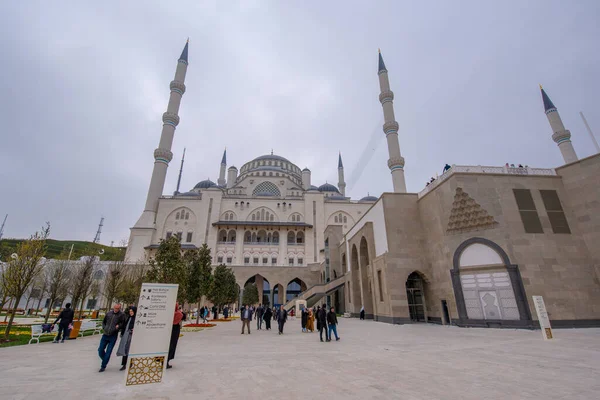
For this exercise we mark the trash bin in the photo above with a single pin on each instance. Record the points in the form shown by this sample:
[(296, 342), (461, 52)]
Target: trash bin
[(75, 330)]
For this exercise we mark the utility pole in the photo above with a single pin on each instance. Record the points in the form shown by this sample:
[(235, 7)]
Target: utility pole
[(97, 238), (586, 126), (2, 227)]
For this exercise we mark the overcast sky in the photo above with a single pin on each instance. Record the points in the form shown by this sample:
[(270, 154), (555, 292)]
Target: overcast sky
[(83, 89)]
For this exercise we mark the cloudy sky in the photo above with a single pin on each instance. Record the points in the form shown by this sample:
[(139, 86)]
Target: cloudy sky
[(83, 89)]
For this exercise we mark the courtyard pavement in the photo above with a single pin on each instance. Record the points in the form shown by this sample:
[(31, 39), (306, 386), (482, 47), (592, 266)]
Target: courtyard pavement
[(371, 361)]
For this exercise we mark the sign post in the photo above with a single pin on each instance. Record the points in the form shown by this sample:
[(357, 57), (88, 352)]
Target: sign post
[(542, 315), (149, 347)]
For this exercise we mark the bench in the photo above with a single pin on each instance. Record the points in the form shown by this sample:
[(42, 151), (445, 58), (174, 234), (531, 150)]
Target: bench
[(36, 332), (90, 325)]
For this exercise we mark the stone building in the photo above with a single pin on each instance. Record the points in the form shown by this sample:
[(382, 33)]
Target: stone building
[(470, 249)]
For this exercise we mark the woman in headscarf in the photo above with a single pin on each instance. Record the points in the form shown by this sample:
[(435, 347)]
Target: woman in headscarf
[(310, 324), (123, 349), (175, 334)]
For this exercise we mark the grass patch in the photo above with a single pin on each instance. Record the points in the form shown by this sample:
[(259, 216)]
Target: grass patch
[(20, 335), (56, 247)]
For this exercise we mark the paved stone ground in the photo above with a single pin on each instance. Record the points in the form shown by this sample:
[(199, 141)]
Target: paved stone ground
[(372, 361)]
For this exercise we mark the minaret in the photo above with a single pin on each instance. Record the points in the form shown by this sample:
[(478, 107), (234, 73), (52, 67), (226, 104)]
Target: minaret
[(390, 127), (341, 182), (221, 181), (180, 172), (163, 155), (560, 135)]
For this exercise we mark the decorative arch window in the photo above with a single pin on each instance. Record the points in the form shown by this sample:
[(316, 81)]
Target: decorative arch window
[(231, 236), (264, 173), (187, 215), (270, 174), (177, 215), (247, 237), (266, 188), (222, 235), (340, 217), (300, 238), (291, 237), (275, 237), (253, 217), (272, 218), (345, 219), (336, 219)]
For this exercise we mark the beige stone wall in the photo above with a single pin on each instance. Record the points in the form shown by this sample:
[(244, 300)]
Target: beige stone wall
[(556, 266)]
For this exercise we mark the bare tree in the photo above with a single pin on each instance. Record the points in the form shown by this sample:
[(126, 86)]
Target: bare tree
[(4, 298), (41, 286), (129, 291), (58, 275), (26, 264), (115, 276), (81, 281)]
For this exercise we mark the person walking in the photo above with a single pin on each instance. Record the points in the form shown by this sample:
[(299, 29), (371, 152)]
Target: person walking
[(215, 312), (267, 317), (304, 319), (113, 322), (175, 331), (66, 321), (322, 318), (281, 318), (310, 324), (125, 342), (317, 318), (259, 316), (332, 321), (246, 316), (225, 312), (362, 312)]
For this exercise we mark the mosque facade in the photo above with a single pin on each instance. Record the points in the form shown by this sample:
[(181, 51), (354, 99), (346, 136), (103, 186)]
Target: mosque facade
[(471, 249)]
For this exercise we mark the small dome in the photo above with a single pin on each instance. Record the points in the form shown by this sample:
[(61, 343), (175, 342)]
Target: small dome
[(368, 199), (328, 187), (306, 170), (313, 187), (205, 184), (189, 194)]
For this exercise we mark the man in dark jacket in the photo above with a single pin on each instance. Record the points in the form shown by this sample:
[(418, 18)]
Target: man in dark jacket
[(281, 318), (215, 312), (246, 316), (66, 319), (259, 314), (332, 321), (112, 324), (322, 318), (304, 318), (267, 317)]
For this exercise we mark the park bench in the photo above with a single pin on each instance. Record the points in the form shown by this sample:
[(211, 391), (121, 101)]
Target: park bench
[(37, 332), (91, 325)]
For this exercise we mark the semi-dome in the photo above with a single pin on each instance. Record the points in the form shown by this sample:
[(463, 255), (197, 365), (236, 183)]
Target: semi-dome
[(328, 187), (368, 199), (205, 184)]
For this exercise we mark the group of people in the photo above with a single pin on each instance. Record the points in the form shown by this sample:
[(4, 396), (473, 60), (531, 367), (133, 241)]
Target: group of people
[(116, 321), (205, 313), (326, 321)]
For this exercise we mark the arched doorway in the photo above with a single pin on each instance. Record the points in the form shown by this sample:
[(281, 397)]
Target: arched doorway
[(367, 292), (415, 294), (354, 288), (277, 295), (294, 288), (264, 296)]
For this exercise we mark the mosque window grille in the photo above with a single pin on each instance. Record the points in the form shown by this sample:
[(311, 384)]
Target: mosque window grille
[(229, 260), (246, 260), (300, 261), (266, 187), (274, 260), (265, 260), (220, 259), (255, 261)]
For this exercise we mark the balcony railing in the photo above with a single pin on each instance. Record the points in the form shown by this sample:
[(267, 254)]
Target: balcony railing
[(480, 169), (262, 243)]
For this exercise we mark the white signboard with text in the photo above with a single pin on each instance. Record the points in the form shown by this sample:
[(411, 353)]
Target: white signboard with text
[(151, 334), (542, 315)]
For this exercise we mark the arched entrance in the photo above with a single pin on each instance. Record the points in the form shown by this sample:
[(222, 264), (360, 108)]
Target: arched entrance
[(264, 296), (354, 288), (294, 288), (367, 291), (415, 294), (277, 295)]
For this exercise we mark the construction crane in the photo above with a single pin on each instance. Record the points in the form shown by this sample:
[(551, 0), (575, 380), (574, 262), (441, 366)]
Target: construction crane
[(97, 238), (366, 155), (2, 227)]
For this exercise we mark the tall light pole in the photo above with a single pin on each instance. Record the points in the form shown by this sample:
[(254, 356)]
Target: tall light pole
[(582, 117)]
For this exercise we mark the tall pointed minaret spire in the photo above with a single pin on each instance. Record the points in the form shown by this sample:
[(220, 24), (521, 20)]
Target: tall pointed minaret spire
[(163, 154), (341, 181), (560, 135), (180, 172), (222, 181), (390, 128)]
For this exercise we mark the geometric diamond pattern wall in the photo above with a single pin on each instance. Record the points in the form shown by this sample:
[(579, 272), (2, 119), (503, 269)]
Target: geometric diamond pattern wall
[(467, 215), (144, 370)]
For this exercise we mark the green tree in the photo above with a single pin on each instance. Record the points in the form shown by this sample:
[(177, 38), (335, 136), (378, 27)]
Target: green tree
[(224, 289), (168, 266), (199, 275), (250, 294), (23, 268)]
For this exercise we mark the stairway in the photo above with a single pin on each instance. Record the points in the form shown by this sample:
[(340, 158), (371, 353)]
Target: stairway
[(313, 294)]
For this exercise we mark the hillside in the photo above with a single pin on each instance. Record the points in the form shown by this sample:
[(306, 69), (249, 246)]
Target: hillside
[(56, 247)]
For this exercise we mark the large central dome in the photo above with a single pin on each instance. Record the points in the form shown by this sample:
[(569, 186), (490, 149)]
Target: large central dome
[(271, 165)]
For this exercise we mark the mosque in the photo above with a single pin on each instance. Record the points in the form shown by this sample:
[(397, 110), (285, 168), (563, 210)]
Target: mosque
[(469, 250)]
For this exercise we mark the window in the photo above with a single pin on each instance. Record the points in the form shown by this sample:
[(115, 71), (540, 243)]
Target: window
[(220, 259), (336, 219), (229, 260), (300, 261), (169, 234), (179, 234), (291, 261), (556, 215), (345, 219), (272, 218), (189, 237), (265, 260), (91, 304), (187, 215), (529, 215), (177, 215), (246, 260), (253, 217), (255, 260), (380, 286), (300, 238), (274, 260)]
